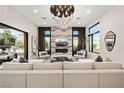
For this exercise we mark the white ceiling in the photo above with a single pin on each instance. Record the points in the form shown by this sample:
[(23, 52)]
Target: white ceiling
[(44, 11)]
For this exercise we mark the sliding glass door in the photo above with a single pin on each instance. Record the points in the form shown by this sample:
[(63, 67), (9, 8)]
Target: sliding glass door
[(13, 43)]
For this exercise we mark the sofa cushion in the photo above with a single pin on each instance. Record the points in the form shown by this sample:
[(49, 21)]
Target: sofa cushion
[(85, 60), (107, 65), (36, 61), (45, 79), (47, 66), (17, 66), (77, 65)]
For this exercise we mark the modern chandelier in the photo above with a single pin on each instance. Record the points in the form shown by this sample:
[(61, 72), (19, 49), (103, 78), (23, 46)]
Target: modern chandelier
[(62, 15), (62, 11)]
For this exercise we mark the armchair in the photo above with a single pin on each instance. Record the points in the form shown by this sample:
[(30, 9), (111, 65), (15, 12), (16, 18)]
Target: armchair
[(81, 54), (44, 55)]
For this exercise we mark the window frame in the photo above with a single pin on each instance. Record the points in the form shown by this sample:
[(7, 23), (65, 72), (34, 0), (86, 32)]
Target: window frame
[(91, 41), (47, 36), (76, 29)]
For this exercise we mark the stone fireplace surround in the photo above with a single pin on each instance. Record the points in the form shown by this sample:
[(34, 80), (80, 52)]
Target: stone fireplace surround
[(56, 32)]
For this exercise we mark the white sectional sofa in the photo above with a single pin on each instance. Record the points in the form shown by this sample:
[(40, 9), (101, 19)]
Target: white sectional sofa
[(80, 79), (44, 79), (104, 74), (13, 79), (45, 75), (62, 75)]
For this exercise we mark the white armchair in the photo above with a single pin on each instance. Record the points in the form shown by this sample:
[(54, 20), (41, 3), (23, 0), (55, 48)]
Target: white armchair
[(81, 54), (44, 55)]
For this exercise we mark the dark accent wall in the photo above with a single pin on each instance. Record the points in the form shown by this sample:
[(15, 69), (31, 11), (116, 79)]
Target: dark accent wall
[(82, 38), (41, 38)]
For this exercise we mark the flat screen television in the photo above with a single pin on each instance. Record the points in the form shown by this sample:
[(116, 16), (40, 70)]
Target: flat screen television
[(61, 41)]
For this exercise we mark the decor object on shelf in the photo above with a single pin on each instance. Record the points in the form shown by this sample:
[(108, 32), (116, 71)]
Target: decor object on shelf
[(99, 59), (110, 39)]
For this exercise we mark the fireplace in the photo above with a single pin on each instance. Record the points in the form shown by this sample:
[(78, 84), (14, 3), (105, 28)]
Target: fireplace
[(61, 50), (61, 41)]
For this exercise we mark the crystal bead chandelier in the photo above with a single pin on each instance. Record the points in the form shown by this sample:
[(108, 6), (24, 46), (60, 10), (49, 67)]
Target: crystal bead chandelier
[(62, 15), (62, 11)]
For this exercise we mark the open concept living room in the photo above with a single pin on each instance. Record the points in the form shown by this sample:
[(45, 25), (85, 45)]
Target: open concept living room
[(61, 46)]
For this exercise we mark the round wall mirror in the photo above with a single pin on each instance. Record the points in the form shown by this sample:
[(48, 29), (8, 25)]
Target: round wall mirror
[(110, 39)]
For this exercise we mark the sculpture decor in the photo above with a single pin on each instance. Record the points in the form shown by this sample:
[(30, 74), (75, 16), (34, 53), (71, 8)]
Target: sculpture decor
[(99, 59)]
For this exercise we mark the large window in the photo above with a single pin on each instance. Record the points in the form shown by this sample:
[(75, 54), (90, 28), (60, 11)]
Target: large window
[(13, 42), (75, 39), (47, 36), (94, 37)]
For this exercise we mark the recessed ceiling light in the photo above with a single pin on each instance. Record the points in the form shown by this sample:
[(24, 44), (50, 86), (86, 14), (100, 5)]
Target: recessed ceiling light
[(35, 11), (44, 23), (88, 11)]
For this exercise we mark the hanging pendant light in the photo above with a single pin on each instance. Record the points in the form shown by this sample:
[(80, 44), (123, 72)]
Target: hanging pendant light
[(62, 10)]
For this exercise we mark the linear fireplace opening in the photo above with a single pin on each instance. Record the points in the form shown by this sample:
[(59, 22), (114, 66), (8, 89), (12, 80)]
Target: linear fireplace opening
[(61, 50)]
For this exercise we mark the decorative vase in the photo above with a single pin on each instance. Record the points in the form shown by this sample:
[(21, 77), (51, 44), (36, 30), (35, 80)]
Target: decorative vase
[(99, 59)]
